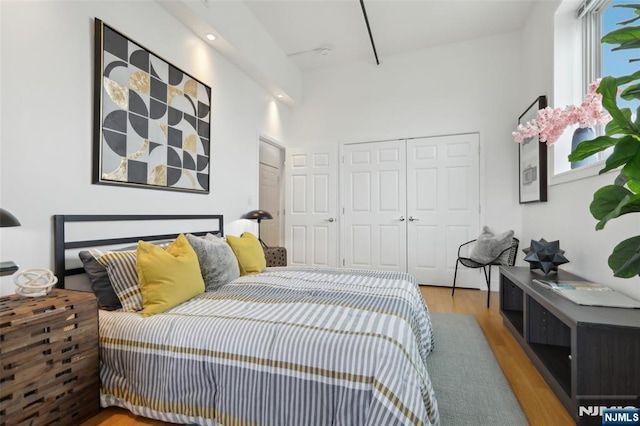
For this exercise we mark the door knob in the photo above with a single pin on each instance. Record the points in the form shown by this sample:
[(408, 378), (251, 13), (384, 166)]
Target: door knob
[(401, 218), (330, 220), (411, 218)]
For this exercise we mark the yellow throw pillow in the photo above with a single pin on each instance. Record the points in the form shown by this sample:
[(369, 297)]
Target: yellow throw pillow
[(248, 250), (168, 276)]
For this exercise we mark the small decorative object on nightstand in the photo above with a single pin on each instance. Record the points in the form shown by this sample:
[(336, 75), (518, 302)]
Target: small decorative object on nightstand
[(34, 282), (49, 358), (545, 255)]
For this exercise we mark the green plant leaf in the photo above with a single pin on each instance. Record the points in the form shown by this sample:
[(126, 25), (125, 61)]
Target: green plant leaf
[(613, 128), (622, 35), (632, 168), (634, 185), (621, 179), (625, 149), (609, 90), (588, 148), (629, 21), (613, 201), (631, 92), (623, 197), (630, 6), (607, 199), (625, 259), (626, 79), (627, 45)]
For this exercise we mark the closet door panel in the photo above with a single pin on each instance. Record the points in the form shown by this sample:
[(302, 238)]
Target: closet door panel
[(443, 198), (311, 230), (374, 200), (409, 204)]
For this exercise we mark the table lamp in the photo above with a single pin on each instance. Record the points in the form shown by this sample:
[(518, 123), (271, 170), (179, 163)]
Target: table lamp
[(258, 215), (6, 220)]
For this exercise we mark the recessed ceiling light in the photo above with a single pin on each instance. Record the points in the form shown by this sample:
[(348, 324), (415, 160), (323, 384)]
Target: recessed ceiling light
[(279, 96), (210, 36)]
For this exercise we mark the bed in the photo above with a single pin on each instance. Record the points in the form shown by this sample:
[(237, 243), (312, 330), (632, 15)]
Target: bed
[(288, 346)]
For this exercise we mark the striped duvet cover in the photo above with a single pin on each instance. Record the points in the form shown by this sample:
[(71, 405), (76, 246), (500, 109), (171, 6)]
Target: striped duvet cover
[(290, 346)]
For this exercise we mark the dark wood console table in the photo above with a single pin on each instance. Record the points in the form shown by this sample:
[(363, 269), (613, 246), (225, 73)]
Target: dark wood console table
[(589, 356)]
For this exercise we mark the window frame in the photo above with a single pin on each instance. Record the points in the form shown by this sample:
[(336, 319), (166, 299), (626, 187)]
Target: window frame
[(590, 14), (592, 52)]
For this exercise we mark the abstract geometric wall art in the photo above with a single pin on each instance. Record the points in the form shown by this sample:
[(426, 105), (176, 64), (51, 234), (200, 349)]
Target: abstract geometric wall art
[(151, 120)]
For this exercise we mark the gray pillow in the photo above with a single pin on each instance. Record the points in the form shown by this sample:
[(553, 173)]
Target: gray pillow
[(489, 245), (215, 238), (218, 264), (100, 283)]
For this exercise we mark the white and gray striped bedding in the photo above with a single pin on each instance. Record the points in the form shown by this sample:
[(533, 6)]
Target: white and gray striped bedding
[(290, 346)]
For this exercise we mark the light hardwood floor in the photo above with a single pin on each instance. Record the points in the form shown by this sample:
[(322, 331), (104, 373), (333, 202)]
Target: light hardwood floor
[(538, 401), (536, 398)]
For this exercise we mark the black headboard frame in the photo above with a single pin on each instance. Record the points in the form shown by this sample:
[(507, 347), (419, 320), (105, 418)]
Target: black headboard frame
[(61, 245)]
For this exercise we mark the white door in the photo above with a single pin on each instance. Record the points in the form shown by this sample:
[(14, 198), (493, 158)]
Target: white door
[(443, 206), (270, 202), (374, 202), (312, 206), (271, 171)]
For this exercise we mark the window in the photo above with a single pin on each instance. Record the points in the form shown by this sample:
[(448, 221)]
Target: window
[(579, 58), (600, 59), (599, 17), (591, 13), (617, 63)]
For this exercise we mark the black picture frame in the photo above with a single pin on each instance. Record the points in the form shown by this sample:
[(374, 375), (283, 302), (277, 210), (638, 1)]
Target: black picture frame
[(532, 160), (152, 121)]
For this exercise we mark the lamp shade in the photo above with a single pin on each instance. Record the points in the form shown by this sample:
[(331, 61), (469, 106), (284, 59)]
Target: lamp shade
[(7, 219), (257, 215)]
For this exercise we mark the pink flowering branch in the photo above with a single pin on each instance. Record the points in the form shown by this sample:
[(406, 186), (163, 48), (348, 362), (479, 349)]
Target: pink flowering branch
[(552, 122)]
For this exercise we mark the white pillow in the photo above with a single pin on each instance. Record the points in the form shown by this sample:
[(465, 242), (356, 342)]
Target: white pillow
[(489, 245)]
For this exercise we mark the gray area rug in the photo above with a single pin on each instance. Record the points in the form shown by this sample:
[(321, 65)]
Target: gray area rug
[(469, 384)]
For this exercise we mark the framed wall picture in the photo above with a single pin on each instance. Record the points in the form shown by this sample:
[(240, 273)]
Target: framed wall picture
[(152, 121), (533, 159)]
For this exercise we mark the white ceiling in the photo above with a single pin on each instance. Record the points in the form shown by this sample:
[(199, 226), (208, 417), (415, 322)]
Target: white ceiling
[(397, 26)]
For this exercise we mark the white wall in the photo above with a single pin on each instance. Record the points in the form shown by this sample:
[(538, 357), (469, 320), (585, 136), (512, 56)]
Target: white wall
[(46, 121), (242, 40), (566, 216), (458, 88)]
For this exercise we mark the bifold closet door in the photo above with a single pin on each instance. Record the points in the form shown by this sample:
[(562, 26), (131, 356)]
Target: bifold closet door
[(374, 202), (443, 206), (311, 230), (409, 204)]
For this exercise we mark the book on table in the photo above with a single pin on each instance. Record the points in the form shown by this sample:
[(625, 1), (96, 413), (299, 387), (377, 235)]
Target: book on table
[(588, 293)]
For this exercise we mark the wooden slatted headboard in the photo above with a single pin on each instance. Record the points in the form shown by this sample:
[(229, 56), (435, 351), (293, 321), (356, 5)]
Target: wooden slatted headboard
[(62, 244)]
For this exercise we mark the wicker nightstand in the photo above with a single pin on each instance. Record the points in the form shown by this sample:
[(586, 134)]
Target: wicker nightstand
[(49, 358)]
